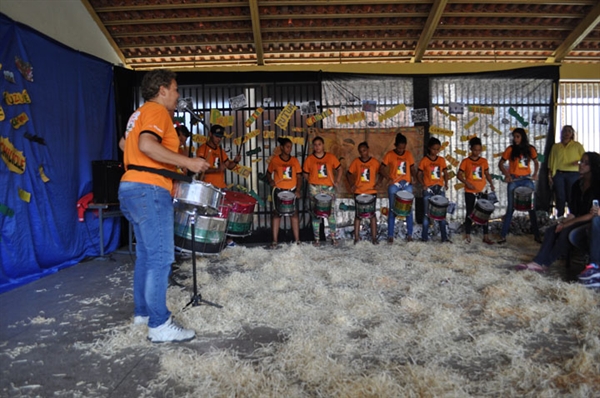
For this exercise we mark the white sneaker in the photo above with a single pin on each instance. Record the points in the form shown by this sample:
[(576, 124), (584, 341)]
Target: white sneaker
[(140, 320), (170, 331)]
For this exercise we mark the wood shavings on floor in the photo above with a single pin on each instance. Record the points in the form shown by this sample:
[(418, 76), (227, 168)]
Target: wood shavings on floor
[(417, 319)]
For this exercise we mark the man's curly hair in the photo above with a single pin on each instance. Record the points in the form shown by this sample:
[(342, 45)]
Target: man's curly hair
[(153, 80)]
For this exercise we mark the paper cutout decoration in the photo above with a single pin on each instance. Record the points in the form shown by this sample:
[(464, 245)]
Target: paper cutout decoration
[(460, 152), (225, 121), (266, 123), (243, 171), (458, 186), (200, 139), (441, 131), (2, 116), (443, 112), (24, 195), (9, 76), (238, 102), (295, 140), (267, 100), (516, 115), (497, 177), (25, 68), (369, 106), (268, 134), (540, 118), (456, 108), (486, 110), (215, 114), (247, 137), (16, 98), (539, 137), (14, 159), (298, 130), (254, 116), (491, 126), (254, 151), (352, 118), (286, 114), (392, 112), (444, 145), (504, 121), (42, 174), (470, 123), (256, 160), (465, 138), (541, 157), (35, 138), (258, 198), (308, 108), (499, 154), (228, 135), (7, 211), (419, 115), (19, 120), (454, 162), (315, 118), (451, 174)]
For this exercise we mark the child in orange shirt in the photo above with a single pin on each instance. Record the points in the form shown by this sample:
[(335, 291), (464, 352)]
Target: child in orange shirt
[(433, 176), (363, 176)]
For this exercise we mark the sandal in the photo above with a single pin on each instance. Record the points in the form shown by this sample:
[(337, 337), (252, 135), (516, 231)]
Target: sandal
[(274, 245), (468, 238), (390, 240), (501, 241), (488, 241), (531, 266), (375, 242)]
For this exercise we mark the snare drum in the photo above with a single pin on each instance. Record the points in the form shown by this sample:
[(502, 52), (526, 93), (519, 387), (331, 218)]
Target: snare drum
[(197, 195), (209, 232), (403, 201), (321, 205), (241, 213), (365, 205), (285, 203), (438, 205), (523, 198), (482, 211)]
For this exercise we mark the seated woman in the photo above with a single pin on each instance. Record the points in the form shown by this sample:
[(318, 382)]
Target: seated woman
[(556, 239), (587, 238)]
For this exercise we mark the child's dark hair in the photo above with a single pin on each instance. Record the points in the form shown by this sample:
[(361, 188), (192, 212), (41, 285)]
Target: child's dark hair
[(283, 140), (400, 139), (318, 138), (474, 141), (433, 141), (522, 149), (182, 130), (364, 143)]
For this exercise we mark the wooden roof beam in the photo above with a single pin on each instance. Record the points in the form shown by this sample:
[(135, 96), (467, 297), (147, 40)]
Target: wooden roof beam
[(433, 20), (104, 31), (258, 45), (587, 24)]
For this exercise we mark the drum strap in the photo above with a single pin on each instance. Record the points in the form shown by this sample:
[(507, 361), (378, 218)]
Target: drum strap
[(163, 172)]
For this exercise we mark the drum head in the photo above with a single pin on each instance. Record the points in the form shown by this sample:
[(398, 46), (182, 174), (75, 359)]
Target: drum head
[(405, 195), (523, 191), (323, 197), (439, 200), (239, 197), (286, 195), (365, 198), (485, 205)]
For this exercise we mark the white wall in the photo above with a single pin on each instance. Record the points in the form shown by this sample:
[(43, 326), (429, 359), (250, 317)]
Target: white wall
[(66, 21)]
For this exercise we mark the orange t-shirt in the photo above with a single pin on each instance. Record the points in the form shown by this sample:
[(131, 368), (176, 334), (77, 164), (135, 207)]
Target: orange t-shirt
[(156, 119), (320, 170), (214, 157), (433, 171), (519, 167), (398, 165), (365, 175), (286, 172), (475, 173)]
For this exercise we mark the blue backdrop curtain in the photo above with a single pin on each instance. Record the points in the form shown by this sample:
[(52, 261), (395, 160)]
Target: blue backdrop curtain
[(71, 123)]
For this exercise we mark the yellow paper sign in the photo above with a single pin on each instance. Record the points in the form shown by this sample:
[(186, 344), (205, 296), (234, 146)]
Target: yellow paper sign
[(14, 159), (215, 114), (494, 128), (486, 110), (243, 171), (295, 140), (443, 112), (42, 174), (268, 134), (471, 123), (465, 138), (16, 98), (242, 140), (451, 175), (352, 118), (451, 160), (225, 121), (24, 195), (286, 114), (2, 114), (458, 186), (315, 118), (19, 120), (256, 160), (201, 139), (461, 152), (254, 116), (392, 112), (497, 155), (440, 131), (539, 137)]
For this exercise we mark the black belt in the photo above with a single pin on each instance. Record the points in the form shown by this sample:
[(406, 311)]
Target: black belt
[(163, 172), (561, 171)]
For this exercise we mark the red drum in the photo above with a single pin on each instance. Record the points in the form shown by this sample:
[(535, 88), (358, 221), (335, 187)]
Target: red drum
[(438, 206), (523, 198), (241, 213), (285, 203), (403, 201), (365, 205), (321, 204), (482, 211)]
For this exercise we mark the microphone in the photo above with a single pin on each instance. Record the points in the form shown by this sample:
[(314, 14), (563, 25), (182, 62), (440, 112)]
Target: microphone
[(184, 106)]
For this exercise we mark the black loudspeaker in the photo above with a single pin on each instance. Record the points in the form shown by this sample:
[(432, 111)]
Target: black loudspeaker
[(106, 176)]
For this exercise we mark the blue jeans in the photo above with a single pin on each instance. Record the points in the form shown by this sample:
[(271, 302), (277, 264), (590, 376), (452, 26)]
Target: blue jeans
[(149, 209), (524, 182), (587, 237), (426, 195), (392, 189), (562, 184)]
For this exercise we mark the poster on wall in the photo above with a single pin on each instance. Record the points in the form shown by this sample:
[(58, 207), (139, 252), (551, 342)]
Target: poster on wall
[(343, 143)]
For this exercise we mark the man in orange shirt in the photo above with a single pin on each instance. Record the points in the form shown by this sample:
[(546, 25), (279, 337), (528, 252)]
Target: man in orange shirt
[(363, 176), (151, 157), (216, 157)]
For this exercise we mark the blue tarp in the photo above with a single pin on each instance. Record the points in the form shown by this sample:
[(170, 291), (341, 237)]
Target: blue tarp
[(71, 122)]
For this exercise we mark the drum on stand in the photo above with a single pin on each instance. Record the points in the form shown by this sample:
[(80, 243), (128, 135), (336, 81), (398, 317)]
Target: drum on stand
[(197, 196), (438, 206), (241, 213), (482, 212), (209, 232), (321, 205), (365, 205), (523, 198), (403, 201), (285, 203)]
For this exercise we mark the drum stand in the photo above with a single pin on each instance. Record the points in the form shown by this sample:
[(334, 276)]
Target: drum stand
[(196, 299)]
